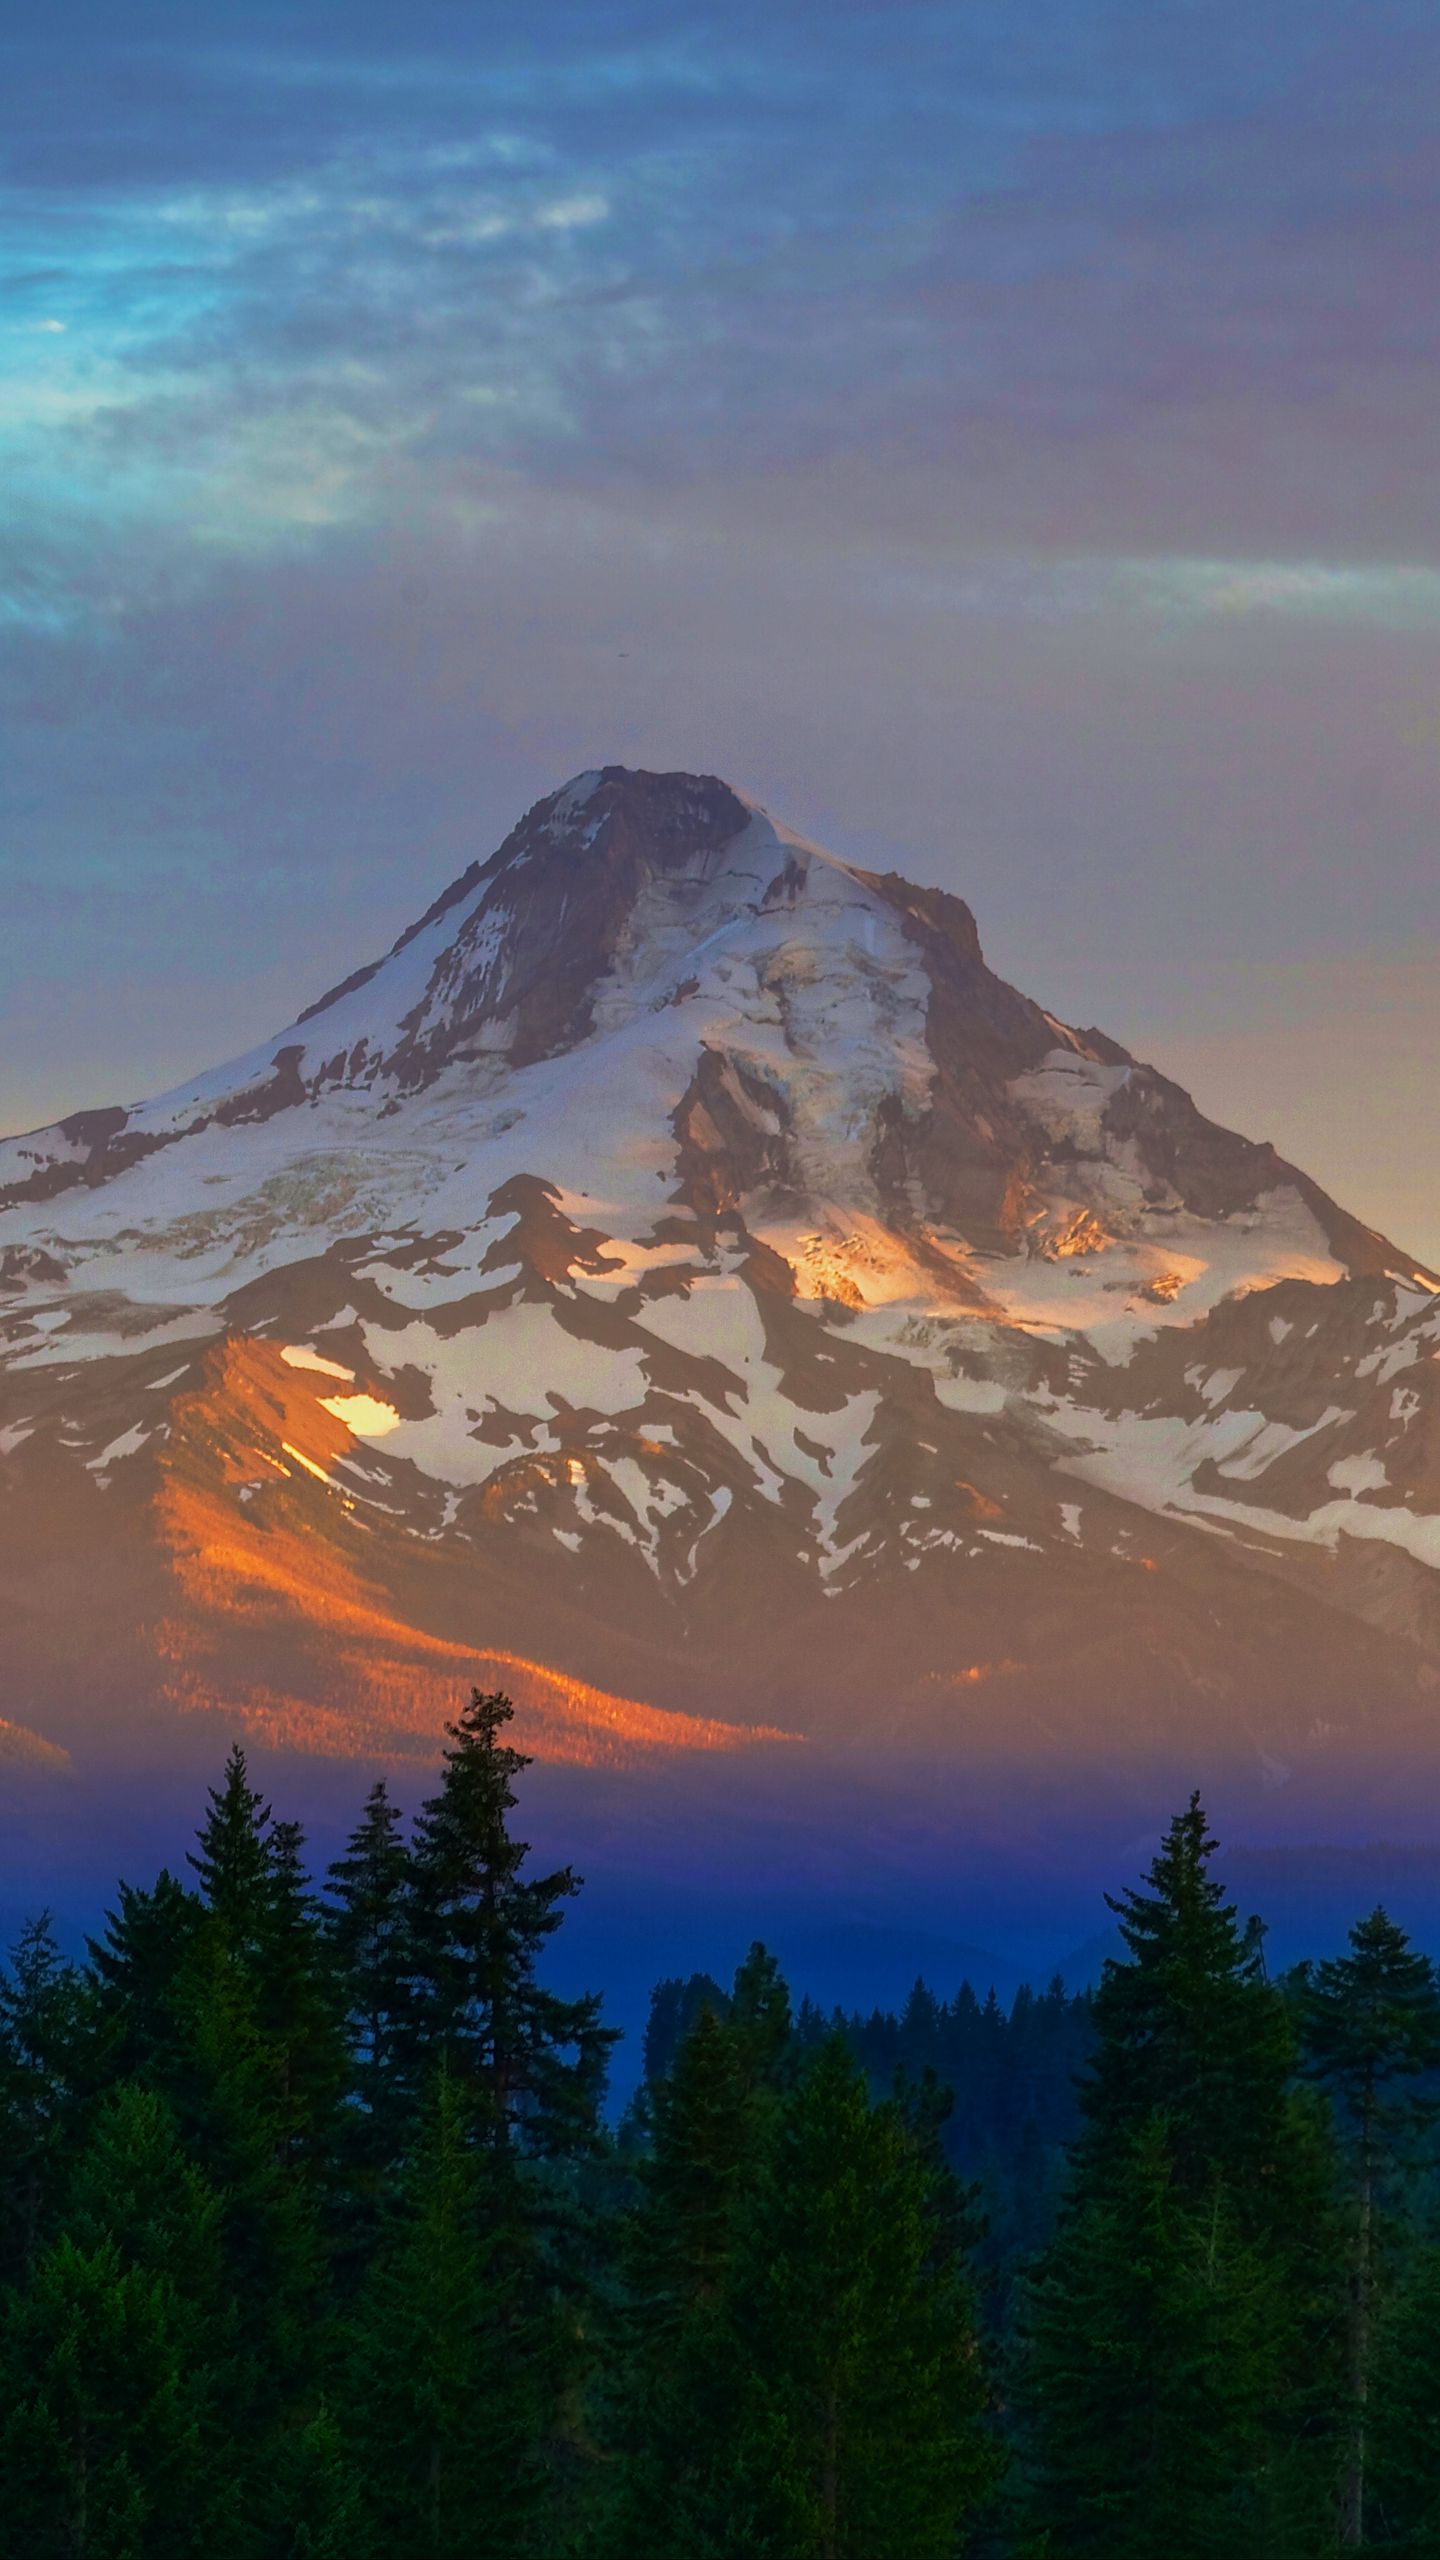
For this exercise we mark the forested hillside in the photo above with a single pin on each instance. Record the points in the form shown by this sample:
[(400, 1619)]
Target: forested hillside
[(316, 2242)]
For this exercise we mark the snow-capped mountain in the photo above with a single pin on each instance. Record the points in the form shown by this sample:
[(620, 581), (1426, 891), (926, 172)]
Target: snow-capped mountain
[(682, 1275)]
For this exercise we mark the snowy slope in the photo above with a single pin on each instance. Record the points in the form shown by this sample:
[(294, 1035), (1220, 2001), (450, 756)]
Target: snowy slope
[(681, 1239)]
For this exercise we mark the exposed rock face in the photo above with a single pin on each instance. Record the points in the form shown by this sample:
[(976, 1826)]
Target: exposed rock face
[(683, 1275)]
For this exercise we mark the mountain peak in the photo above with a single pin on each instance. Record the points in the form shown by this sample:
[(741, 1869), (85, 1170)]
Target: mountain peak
[(682, 1235), (832, 1031), (669, 809), (661, 812)]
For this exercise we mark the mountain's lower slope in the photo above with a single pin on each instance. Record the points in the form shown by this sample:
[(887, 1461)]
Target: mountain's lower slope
[(683, 1280)]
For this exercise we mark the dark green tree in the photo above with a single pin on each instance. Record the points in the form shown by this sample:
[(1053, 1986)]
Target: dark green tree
[(760, 2018), (1403, 2472), (1152, 2361), (798, 2324), (529, 2064), (527, 2067), (1189, 2108), (672, 2405), (136, 1966), (258, 1896), (223, 2003), (45, 2036), (448, 2421), (1187, 2027), (674, 2007), (311, 2502), (861, 2394), (233, 1858), (704, 2129), (226, 2092), (133, 2193), (1372, 2029), (369, 1924), (132, 2185), (99, 2450), (298, 2002)]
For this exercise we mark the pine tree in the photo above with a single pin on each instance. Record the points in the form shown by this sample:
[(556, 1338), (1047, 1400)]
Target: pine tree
[(674, 2007), (233, 1861), (1372, 2027), (133, 2186), (298, 2002), (44, 2052), (530, 2065), (1189, 2094), (99, 2450), (800, 2368), (136, 1966), (369, 1928), (859, 2434), (134, 2193), (919, 2031), (265, 1923), (1188, 2028), (223, 2001), (673, 2400), (227, 2096), (760, 2018), (1151, 2361), (527, 2067), (704, 2127), (1405, 2414), (672, 2408), (311, 2503), (448, 2422)]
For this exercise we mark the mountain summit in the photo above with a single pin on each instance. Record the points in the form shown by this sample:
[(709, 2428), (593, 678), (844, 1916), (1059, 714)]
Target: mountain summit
[(683, 1275)]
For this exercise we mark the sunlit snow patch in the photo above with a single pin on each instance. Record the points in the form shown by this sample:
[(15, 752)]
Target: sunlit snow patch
[(366, 1416), (298, 1355)]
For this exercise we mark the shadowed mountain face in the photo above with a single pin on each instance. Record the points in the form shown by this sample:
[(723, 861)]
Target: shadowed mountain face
[(681, 1283)]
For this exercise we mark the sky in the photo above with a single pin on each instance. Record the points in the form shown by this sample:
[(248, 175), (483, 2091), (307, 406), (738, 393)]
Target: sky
[(1001, 437)]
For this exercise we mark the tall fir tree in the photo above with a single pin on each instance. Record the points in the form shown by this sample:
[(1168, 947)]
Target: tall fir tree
[(99, 2450), (1187, 2027), (1403, 2469), (674, 2007), (311, 2504), (298, 2002), (800, 2372), (232, 1858), (369, 1926), (860, 2431), (672, 2401), (1372, 2031), (1189, 2108), (136, 1966), (1151, 2362), (134, 2193), (444, 2404), (530, 2064), (266, 1920), (45, 2040), (527, 2067), (760, 2018), (704, 2126)]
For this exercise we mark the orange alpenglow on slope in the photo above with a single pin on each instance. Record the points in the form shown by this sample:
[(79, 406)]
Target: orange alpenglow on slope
[(683, 1274)]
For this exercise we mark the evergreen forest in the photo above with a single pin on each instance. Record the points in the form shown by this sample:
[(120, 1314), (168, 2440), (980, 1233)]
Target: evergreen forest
[(318, 2241)]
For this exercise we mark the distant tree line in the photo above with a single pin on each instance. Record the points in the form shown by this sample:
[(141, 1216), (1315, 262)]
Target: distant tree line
[(315, 2243)]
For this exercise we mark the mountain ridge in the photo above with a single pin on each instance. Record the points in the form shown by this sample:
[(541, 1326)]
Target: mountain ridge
[(710, 1260)]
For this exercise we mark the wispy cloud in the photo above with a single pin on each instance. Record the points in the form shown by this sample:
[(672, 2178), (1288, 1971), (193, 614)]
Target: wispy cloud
[(1394, 596), (1092, 262), (1005, 435)]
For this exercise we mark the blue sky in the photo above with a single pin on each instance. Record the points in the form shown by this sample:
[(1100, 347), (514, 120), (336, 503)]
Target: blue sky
[(1002, 437)]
